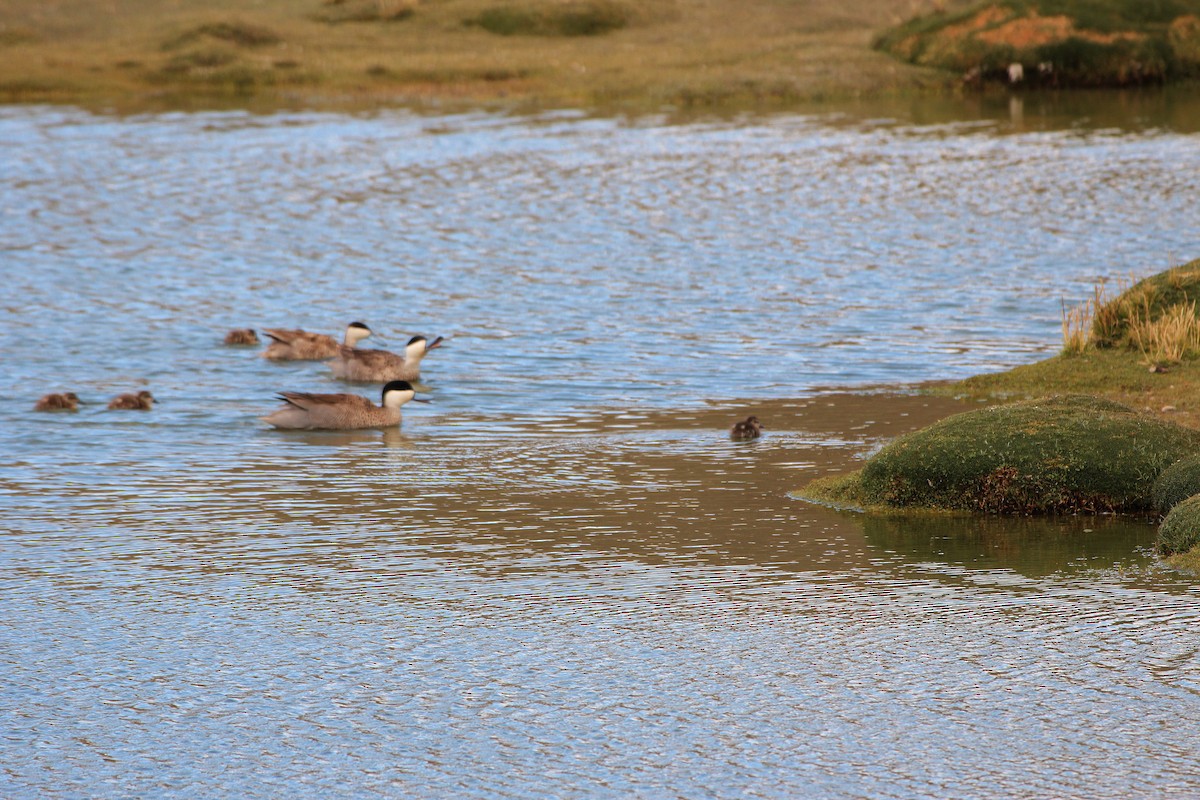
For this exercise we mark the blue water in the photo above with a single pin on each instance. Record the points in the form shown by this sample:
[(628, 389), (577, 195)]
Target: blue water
[(560, 579)]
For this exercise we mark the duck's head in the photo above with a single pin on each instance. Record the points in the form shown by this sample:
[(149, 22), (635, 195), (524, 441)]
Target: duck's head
[(397, 393), (416, 348), (356, 332)]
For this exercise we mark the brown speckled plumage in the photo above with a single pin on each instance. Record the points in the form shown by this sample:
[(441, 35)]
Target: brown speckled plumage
[(142, 401), (241, 336), (749, 428), (300, 345), (307, 411), (65, 401), (378, 366)]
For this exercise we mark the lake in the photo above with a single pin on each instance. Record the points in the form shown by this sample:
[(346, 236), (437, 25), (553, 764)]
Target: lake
[(560, 578)]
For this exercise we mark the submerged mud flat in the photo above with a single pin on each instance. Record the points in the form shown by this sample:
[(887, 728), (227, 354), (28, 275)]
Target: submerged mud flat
[(562, 572)]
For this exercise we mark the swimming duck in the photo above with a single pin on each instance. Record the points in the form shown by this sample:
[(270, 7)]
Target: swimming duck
[(749, 428), (65, 401), (142, 401), (298, 345), (304, 411), (241, 336), (376, 366)]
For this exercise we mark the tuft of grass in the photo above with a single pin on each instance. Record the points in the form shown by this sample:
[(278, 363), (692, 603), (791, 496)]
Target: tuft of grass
[(1108, 317), (1076, 323), (572, 18), (1169, 338)]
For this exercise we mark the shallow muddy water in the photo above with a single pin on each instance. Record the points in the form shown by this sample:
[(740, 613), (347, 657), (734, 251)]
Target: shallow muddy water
[(560, 578)]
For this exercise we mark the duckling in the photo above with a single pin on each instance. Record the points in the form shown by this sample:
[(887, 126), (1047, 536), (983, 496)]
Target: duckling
[(298, 345), (376, 366), (749, 428), (142, 401), (241, 336), (66, 401), (304, 411)]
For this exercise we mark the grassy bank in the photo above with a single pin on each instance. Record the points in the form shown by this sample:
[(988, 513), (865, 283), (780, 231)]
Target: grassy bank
[(523, 53), (1059, 43), (1140, 348)]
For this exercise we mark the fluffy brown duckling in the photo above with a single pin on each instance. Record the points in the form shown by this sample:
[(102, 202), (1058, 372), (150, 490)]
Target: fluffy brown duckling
[(749, 428), (64, 401), (142, 401), (241, 336)]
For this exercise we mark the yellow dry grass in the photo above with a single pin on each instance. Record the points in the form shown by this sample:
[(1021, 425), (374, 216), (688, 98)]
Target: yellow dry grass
[(697, 53)]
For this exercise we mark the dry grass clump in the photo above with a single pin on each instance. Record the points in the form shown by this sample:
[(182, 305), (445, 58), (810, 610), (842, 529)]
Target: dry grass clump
[(1156, 317), (1170, 338), (1077, 322)]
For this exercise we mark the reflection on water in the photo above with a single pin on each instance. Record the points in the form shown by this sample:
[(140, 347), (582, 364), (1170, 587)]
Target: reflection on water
[(562, 578), (1031, 547)]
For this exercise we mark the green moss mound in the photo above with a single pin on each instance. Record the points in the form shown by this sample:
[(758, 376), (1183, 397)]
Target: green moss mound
[(1057, 42), (1177, 483), (1074, 453), (1180, 531)]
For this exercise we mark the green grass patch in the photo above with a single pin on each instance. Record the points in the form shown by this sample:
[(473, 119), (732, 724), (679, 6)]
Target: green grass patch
[(573, 18)]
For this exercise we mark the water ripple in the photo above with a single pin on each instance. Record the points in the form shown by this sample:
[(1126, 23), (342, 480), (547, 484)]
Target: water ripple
[(561, 579)]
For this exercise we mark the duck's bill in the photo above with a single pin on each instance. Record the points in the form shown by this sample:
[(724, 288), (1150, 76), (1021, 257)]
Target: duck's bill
[(430, 345), (422, 387)]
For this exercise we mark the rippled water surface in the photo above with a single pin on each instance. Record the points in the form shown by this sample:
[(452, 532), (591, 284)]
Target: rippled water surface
[(560, 578)]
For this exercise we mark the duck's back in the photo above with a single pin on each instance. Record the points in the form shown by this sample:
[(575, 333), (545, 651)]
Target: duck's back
[(377, 366), (299, 345), (307, 411)]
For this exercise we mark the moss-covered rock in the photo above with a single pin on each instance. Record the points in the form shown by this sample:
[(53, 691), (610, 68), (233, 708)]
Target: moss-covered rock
[(1177, 483), (1056, 42), (1056, 455), (1180, 530)]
